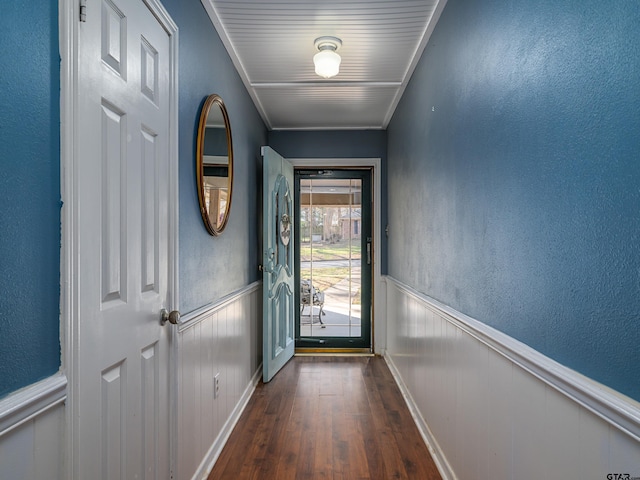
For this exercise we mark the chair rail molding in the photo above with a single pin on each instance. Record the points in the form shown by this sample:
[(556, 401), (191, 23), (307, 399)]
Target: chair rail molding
[(618, 410), (194, 317), (26, 404)]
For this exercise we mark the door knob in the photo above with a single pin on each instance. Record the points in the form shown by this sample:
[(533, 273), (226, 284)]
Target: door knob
[(173, 317)]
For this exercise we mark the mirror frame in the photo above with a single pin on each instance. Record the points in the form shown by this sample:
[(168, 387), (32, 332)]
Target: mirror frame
[(210, 102)]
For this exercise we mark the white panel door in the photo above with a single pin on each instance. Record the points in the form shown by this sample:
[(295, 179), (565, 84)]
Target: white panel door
[(277, 266), (120, 386)]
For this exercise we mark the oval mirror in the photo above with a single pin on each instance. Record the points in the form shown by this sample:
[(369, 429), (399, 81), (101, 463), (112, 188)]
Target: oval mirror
[(214, 164)]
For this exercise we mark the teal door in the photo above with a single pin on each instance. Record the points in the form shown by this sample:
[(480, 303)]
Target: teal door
[(279, 308)]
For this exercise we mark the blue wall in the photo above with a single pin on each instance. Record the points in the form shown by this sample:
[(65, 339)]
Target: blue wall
[(212, 267), (30, 182), (29, 193), (514, 177), (339, 144)]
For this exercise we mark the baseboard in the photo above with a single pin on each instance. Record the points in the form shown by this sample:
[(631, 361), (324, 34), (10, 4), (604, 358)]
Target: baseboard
[(437, 454), (214, 451), (26, 404)]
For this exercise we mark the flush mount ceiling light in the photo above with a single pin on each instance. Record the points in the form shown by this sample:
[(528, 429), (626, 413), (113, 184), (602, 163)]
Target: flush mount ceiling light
[(327, 61)]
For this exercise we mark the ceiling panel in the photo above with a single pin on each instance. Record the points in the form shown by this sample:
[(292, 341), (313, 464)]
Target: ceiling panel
[(319, 107), (272, 46)]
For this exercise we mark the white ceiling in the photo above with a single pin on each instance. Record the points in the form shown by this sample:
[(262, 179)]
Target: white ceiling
[(271, 44)]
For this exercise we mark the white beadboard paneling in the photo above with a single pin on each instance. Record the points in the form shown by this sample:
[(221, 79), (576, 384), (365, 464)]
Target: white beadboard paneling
[(594, 446), (562, 424), (272, 45), (478, 358), (499, 446), (32, 431), (624, 457), (492, 408), (275, 40), (188, 417), (48, 447), (207, 372), (529, 425), (449, 397), (219, 338), (436, 390), (422, 369), (325, 106)]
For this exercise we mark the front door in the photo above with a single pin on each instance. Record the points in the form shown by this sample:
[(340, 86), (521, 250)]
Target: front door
[(334, 258), (277, 263), (121, 279)]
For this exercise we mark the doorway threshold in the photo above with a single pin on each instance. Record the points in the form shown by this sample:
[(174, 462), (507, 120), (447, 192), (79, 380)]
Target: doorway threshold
[(334, 352)]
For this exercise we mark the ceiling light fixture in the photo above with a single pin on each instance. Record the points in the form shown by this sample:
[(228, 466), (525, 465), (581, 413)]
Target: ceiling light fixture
[(327, 61)]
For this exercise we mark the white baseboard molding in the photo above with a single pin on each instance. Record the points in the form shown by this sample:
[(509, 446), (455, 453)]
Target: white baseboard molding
[(26, 404), (205, 467), (437, 454), (616, 409)]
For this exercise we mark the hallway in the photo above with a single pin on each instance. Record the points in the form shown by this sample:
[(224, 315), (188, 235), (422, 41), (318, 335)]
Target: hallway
[(330, 418)]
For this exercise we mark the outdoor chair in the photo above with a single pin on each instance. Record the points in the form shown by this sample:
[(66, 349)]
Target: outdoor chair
[(311, 297)]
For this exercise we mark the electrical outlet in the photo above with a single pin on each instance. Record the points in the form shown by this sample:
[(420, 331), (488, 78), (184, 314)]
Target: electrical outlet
[(216, 385)]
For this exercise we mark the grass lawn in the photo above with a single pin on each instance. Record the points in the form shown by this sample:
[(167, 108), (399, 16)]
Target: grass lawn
[(336, 251)]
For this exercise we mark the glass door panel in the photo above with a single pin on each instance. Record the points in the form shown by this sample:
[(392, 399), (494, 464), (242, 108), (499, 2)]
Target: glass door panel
[(334, 270)]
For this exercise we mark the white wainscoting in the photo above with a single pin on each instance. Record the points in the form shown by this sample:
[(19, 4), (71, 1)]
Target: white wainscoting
[(491, 407), (32, 431), (222, 339)]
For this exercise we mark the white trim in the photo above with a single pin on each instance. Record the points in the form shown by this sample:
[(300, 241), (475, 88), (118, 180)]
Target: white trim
[(173, 294), (69, 298), (328, 128), (324, 84), (435, 450), (173, 302), (209, 460), (378, 327), (196, 316), (30, 402), (616, 409)]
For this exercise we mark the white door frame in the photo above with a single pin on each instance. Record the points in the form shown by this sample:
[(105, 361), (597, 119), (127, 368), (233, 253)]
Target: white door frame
[(69, 15), (379, 321)]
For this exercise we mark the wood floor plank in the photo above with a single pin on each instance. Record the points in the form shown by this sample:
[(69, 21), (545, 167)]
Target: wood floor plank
[(306, 459), (231, 458), (374, 457), (326, 418)]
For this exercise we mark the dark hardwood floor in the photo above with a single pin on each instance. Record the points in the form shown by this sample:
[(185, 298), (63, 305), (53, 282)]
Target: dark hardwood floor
[(340, 418)]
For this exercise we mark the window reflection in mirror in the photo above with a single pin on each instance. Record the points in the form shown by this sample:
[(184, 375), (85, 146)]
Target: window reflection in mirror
[(214, 164)]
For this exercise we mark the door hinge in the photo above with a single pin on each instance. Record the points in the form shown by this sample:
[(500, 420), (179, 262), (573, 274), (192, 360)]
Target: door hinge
[(83, 10)]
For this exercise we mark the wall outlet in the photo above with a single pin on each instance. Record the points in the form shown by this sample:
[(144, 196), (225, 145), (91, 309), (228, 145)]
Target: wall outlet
[(216, 385)]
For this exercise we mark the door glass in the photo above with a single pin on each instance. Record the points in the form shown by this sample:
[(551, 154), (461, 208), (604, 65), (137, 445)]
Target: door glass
[(331, 262)]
